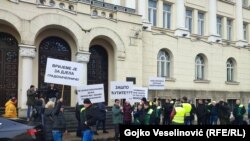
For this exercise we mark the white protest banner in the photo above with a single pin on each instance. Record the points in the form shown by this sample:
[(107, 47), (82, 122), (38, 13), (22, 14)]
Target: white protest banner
[(139, 93), (156, 83), (94, 92), (121, 90), (63, 72)]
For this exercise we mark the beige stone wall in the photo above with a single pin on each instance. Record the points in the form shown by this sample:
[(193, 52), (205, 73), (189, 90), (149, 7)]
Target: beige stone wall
[(131, 54)]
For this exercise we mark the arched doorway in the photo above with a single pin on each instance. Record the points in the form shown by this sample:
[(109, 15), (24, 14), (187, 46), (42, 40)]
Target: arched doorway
[(98, 68), (8, 67), (58, 48)]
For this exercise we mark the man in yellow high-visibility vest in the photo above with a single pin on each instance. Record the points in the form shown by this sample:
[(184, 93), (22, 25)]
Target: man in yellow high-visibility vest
[(178, 113), (188, 107)]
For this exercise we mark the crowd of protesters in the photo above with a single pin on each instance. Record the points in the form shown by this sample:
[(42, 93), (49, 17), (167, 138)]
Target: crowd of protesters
[(177, 112), (49, 109)]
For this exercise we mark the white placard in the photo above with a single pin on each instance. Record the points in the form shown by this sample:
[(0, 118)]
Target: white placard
[(94, 92), (139, 93), (64, 72), (121, 90), (156, 83)]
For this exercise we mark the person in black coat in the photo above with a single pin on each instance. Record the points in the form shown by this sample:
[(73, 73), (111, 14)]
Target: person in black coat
[(201, 113), (37, 111), (48, 120), (224, 112), (59, 124), (89, 116), (77, 114), (102, 110), (167, 109), (52, 93)]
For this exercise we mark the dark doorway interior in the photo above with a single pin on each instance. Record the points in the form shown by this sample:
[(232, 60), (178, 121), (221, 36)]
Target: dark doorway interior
[(58, 48), (98, 68), (8, 67)]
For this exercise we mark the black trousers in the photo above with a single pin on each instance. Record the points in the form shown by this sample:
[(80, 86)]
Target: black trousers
[(117, 132)]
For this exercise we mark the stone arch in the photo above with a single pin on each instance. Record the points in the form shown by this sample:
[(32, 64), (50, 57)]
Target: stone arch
[(12, 20), (111, 36), (38, 24)]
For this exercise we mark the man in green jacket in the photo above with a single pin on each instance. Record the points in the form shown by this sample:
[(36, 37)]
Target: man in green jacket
[(238, 112), (117, 112), (148, 115)]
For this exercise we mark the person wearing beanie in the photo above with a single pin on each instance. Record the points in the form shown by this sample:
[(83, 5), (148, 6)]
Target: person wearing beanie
[(88, 118)]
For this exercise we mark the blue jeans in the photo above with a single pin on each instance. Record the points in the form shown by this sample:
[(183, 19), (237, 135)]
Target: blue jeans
[(87, 135), (28, 111), (57, 135), (187, 120), (213, 120)]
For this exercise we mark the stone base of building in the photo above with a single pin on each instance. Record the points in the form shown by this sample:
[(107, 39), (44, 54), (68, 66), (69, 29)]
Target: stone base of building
[(199, 94)]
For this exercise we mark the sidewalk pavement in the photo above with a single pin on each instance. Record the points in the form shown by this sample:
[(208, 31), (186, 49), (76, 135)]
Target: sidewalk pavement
[(71, 136)]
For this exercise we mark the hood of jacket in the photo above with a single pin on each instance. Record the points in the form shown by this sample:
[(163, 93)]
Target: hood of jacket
[(9, 103)]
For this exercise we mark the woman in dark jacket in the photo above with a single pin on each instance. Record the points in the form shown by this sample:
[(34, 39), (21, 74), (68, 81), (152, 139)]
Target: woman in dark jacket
[(127, 113), (48, 120)]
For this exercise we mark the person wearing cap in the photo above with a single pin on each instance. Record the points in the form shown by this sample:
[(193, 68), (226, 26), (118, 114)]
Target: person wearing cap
[(188, 107), (10, 108), (88, 118), (178, 113)]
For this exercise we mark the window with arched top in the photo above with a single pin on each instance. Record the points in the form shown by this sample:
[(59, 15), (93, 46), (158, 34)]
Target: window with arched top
[(230, 70), (52, 3), (61, 5), (103, 14), (71, 7), (94, 13), (163, 64), (199, 67)]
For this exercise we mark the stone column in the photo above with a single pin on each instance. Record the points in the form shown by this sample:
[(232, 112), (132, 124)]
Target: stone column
[(195, 21), (82, 57), (159, 21), (143, 10), (224, 28), (240, 42), (181, 30), (130, 4), (27, 52), (212, 22)]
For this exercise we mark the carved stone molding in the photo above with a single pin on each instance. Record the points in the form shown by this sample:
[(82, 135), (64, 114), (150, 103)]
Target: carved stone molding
[(27, 51), (82, 57)]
